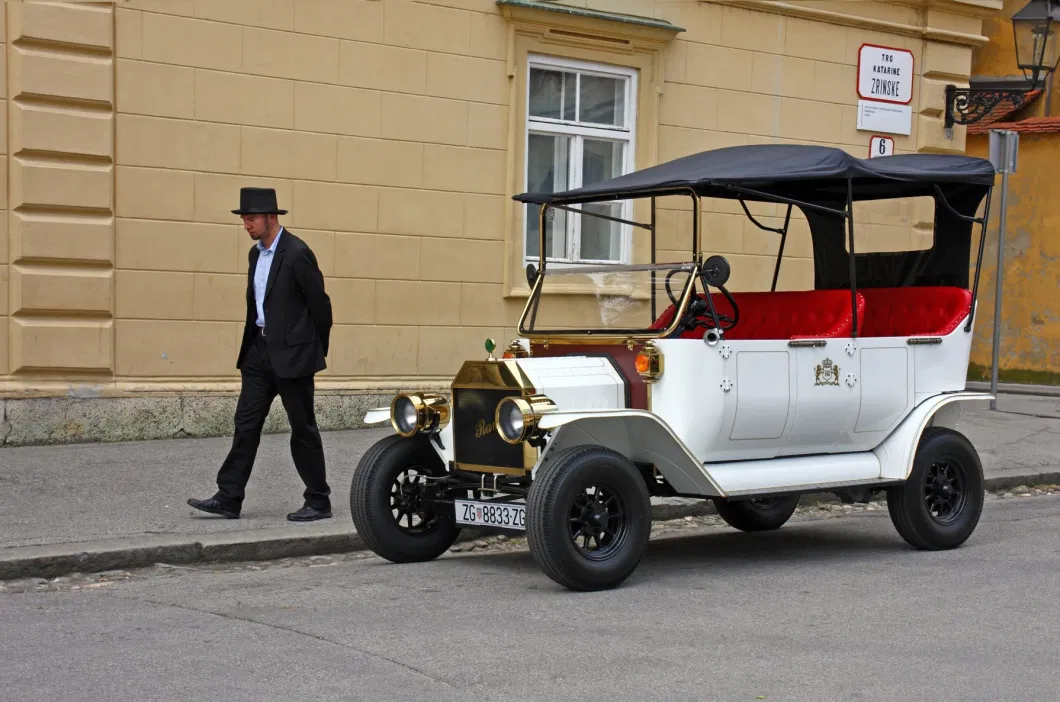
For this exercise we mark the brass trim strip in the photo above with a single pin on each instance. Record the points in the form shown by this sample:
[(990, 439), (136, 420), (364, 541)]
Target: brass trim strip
[(475, 468)]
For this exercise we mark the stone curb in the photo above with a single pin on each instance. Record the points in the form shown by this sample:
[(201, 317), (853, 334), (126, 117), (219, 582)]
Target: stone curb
[(57, 560), (1015, 389)]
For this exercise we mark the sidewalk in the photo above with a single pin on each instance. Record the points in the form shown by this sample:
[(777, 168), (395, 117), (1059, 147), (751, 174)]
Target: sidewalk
[(97, 507)]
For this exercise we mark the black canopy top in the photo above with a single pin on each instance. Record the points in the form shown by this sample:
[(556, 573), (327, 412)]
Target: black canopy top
[(800, 172)]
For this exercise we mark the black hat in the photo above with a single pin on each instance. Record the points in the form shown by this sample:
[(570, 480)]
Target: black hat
[(257, 201)]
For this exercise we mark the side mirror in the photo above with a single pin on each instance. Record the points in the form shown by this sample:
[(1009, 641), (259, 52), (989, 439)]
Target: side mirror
[(716, 271), (531, 274)]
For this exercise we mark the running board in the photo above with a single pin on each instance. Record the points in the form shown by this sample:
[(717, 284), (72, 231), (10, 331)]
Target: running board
[(801, 473)]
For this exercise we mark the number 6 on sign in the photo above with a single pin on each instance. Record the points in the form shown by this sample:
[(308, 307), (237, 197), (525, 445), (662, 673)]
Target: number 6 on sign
[(881, 146)]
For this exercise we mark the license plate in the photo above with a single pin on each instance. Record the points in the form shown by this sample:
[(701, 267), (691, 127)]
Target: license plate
[(506, 515)]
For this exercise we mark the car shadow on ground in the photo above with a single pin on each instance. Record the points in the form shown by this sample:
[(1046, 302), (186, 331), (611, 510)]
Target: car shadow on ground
[(724, 551)]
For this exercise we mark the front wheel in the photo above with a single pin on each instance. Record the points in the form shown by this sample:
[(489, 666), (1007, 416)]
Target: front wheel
[(391, 501), (588, 518), (939, 505)]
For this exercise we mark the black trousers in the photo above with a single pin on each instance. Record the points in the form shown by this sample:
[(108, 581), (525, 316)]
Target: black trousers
[(260, 386)]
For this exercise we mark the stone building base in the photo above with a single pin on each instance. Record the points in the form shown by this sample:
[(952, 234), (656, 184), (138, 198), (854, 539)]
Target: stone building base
[(65, 420)]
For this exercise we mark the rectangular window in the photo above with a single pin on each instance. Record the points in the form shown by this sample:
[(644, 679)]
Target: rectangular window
[(580, 126)]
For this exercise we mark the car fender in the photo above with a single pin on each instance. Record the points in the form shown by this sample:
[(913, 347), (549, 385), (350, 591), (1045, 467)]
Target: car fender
[(898, 450), (640, 436), (377, 415), (442, 444)]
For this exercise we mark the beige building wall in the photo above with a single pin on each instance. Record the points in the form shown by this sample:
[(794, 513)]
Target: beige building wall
[(4, 246), (395, 133)]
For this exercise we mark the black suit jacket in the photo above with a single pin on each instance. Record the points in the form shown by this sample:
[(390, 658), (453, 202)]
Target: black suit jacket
[(297, 310)]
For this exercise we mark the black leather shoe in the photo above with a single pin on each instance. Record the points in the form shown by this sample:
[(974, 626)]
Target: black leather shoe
[(215, 506), (309, 514)]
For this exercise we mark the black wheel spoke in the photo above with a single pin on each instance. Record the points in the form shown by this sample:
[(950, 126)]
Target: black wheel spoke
[(409, 497), (597, 521), (944, 494)]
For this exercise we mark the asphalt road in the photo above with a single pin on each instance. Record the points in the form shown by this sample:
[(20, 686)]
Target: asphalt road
[(833, 606)]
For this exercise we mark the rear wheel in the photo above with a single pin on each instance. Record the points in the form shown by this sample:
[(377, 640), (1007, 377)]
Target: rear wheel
[(588, 518), (391, 500), (939, 505), (761, 514)]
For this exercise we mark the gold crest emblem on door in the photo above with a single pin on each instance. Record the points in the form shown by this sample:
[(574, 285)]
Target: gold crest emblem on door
[(827, 373)]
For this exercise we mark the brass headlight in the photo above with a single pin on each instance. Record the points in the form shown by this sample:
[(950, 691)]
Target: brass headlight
[(517, 419), (418, 412)]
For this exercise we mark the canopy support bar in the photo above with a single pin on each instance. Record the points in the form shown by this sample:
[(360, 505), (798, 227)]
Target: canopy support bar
[(786, 200), (654, 292), (697, 204), (941, 197), (762, 226), (649, 227), (783, 238), (850, 228), (979, 261)]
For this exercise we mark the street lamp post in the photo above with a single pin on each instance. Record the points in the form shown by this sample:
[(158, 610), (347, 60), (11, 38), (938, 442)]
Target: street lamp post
[(1034, 31)]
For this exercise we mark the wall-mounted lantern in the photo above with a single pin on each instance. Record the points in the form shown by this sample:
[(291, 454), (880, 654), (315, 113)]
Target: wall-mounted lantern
[(1034, 31)]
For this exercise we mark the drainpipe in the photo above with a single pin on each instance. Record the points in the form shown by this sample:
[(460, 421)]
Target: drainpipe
[(1048, 93)]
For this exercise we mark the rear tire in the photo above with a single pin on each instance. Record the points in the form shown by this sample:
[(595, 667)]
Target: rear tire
[(763, 514), (939, 505), (385, 481), (588, 540)]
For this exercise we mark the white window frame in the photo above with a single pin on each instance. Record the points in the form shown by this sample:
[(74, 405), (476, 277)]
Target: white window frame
[(549, 126)]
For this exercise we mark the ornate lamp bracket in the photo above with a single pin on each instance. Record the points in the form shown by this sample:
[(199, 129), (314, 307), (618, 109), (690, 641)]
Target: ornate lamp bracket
[(969, 105)]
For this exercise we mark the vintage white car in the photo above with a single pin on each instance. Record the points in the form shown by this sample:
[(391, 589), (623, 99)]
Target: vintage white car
[(614, 393)]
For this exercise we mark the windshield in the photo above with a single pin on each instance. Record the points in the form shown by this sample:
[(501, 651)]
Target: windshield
[(605, 299)]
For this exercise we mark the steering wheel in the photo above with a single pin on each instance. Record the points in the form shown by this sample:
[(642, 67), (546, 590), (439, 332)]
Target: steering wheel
[(669, 293), (715, 272)]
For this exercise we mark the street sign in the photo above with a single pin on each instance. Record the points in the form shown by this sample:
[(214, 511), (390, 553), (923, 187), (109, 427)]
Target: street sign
[(1004, 150), (885, 74), (885, 89), (881, 146), (875, 116)]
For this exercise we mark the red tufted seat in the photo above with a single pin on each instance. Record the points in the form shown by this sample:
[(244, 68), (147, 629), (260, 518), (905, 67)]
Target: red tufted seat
[(924, 311), (809, 314)]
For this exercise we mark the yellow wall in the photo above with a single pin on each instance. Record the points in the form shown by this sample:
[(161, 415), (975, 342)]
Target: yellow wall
[(4, 306), (1030, 313), (1030, 331), (394, 132)]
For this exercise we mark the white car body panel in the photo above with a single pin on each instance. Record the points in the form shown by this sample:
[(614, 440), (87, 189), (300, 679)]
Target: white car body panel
[(752, 399), (801, 472), (752, 416), (577, 382)]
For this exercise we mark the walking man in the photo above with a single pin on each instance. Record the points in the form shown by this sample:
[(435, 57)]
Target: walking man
[(285, 340)]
